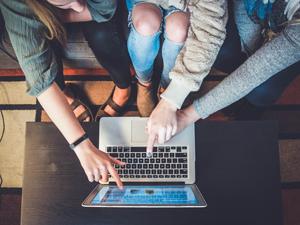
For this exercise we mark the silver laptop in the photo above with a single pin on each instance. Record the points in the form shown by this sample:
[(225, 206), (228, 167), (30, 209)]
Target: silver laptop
[(166, 179)]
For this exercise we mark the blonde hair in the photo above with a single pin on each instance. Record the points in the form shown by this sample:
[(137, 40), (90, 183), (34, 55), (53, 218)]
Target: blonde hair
[(55, 29)]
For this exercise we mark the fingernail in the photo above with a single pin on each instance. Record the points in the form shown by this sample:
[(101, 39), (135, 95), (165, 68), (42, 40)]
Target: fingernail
[(149, 154)]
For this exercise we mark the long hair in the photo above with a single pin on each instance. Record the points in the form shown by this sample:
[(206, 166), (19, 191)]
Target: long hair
[(55, 29)]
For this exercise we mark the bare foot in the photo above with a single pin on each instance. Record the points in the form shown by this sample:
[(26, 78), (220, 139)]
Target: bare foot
[(80, 109), (120, 97)]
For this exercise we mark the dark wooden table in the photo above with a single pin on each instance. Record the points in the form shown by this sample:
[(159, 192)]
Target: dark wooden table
[(237, 172)]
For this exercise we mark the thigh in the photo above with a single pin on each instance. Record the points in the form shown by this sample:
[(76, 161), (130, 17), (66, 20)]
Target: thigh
[(267, 93), (230, 56)]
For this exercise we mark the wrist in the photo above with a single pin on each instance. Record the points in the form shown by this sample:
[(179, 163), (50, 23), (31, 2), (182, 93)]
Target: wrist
[(168, 105), (83, 146), (191, 114)]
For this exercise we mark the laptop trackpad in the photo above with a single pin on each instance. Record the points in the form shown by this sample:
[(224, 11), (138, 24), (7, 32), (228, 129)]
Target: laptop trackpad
[(138, 131)]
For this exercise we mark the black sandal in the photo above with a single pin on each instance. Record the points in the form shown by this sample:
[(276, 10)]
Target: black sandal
[(71, 93), (118, 109)]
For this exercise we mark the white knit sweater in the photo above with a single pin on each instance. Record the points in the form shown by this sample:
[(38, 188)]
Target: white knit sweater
[(205, 37)]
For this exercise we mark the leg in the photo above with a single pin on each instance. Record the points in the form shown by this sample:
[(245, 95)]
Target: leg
[(143, 40), (68, 92), (109, 47), (176, 28), (230, 56), (267, 93)]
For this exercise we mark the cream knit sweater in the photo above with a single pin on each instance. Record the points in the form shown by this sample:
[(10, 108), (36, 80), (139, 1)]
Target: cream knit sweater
[(205, 37)]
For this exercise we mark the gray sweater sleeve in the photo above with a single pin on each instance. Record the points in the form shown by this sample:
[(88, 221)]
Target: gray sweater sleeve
[(270, 59)]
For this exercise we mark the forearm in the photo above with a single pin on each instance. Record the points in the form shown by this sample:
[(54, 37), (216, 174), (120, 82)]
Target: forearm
[(272, 58), (205, 37), (55, 104)]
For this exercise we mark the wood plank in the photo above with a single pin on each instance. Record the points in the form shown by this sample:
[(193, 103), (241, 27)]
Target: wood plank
[(291, 95), (291, 206), (289, 160)]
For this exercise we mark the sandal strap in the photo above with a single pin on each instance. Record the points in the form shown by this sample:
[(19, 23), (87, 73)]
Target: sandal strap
[(114, 105), (101, 113), (75, 104), (83, 116)]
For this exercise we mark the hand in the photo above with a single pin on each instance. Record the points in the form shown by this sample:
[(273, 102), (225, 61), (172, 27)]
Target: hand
[(97, 164), (186, 117), (162, 124)]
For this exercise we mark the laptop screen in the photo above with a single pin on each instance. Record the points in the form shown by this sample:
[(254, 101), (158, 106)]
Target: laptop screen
[(146, 195)]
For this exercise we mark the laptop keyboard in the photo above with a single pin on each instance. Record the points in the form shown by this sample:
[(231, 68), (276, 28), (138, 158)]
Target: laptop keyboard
[(166, 162)]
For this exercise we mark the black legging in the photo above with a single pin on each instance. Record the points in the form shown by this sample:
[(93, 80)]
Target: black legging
[(108, 44)]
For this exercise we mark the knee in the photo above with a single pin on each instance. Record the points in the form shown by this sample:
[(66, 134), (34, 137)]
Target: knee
[(177, 25), (146, 18)]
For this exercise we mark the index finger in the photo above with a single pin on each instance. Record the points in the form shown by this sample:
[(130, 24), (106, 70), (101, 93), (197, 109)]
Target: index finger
[(115, 175), (150, 143)]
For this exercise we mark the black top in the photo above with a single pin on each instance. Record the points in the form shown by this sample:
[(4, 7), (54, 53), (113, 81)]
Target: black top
[(237, 172)]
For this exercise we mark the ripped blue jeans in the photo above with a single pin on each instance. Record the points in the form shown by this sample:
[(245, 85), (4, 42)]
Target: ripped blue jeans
[(144, 49)]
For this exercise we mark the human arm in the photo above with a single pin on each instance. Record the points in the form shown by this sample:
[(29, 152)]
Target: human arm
[(205, 36), (270, 59), (39, 65)]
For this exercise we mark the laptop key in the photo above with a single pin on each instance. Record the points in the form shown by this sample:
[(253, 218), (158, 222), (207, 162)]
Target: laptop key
[(140, 166), (163, 160), (145, 166), (165, 171), (149, 176), (135, 160), (114, 155), (131, 176), (181, 155), (126, 149), (148, 172), (115, 149), (184, 176), (129, 160), (156, 166), (108, 149), (184, 166), (150, 166), (130, 171), (128, 166), (183, 171), (161, 176), (182, 160), (155, 176), (144, 155), (141, 160), (173, 166), (152, 160), (133, 166), (143, 176), (132, 155)]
